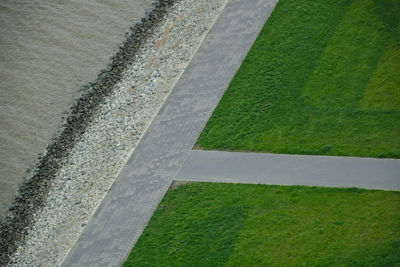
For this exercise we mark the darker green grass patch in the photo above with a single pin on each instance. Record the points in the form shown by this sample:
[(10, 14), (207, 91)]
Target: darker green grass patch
[(212, 224), (322, 78)]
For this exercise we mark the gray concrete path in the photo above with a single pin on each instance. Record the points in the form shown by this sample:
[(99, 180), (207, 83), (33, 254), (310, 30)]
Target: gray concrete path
[(265, 168), (123, 214)]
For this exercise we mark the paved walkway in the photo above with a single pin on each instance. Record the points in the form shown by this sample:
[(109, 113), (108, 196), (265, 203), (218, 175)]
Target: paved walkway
[(260, 168), (123, 214)]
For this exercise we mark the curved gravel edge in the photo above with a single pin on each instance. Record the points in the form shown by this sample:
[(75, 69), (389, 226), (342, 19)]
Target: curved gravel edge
[(33, 192), (84, 174)]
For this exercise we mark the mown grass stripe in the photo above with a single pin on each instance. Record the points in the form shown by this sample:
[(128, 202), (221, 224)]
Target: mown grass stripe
[(349, 60), (386, 78)]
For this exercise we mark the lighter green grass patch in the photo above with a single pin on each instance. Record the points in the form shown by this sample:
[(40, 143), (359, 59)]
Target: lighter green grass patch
[(382, 92), (348, 60)]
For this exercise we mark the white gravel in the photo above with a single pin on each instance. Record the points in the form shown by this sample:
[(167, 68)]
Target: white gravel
[(117, 128)]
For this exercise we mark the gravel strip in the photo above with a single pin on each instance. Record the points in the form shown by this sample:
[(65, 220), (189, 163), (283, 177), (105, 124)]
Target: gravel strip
[(87, 172)]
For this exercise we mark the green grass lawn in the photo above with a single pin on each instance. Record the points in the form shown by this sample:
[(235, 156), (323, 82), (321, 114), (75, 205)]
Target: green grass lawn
[(212, 224), (323, 77)]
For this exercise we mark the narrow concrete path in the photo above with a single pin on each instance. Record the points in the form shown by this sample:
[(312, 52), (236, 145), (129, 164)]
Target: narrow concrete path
[(265, 168), (123, 214)]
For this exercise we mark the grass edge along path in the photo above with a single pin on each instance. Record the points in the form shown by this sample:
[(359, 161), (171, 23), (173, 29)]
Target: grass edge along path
[(321, 79), (216, 224)]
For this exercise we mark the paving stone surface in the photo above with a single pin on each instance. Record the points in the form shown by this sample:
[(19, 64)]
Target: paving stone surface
[(123, 214), (265, 168)]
